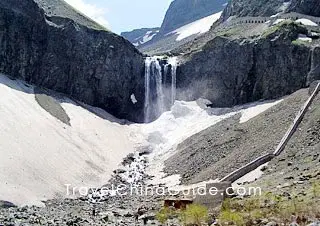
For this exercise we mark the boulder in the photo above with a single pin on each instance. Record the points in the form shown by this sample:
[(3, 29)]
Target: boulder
[(6, 204)]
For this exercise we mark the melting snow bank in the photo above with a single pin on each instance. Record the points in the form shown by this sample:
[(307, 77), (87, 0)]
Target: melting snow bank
[(39, 154), (198, 27)]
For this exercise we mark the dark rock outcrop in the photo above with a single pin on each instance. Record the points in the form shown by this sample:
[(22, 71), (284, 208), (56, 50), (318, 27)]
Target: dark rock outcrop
[(309, 7), (69, 56), (242, 8), (6, 204), (230, 71)]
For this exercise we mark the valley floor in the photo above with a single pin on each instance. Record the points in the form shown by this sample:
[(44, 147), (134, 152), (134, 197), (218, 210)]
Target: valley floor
[(191, 143)]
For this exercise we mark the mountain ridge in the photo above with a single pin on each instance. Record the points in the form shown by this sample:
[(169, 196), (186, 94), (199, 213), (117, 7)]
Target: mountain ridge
[(179, 14), (140, 36)]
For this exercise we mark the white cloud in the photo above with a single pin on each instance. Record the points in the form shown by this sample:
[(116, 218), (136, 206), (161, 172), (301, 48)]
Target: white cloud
[(94, 12)]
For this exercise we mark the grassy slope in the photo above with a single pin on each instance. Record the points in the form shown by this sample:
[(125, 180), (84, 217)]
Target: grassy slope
[(60, 8)]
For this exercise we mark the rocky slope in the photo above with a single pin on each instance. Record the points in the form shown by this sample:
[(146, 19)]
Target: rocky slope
[(59, 8), (140, 36), (299, 165), (231, 69), (62, 50), (229, 145)]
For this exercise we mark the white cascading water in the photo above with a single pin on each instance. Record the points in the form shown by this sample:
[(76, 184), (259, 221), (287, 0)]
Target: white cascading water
[(147, 90), (173, 62), (157, 99)]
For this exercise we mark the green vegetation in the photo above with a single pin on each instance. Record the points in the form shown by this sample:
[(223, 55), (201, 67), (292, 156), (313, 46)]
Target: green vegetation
[(230, 217), (276, 27), (315, 189), (281, 209), (299, 42), (194, 214), (229, 32), (163, 215), (304, 207)]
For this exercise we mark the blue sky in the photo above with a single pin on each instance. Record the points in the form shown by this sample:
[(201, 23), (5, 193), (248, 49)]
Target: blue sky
[(123, 15)]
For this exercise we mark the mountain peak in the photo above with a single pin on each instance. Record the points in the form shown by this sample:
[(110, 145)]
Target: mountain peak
[(182, 12)]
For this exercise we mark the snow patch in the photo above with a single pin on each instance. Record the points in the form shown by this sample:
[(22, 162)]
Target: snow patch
[(306, 22), (197, 27), (278, 21), (304, 38), (146, 38), (256, 110), (275, 15), (133, 99)]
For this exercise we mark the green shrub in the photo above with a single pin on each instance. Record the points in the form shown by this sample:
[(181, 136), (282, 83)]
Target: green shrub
[(163, 215), (299, 42), (228, 216), (275, 28), (316, 189), (194, 214)]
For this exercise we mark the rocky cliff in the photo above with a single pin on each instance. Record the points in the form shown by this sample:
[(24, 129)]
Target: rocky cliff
[(55, 47), (230, 71), (309, 7), (241, 8)]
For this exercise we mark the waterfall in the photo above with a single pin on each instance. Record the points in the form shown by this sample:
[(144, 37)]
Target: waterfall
[(173, 62), (160, 86)]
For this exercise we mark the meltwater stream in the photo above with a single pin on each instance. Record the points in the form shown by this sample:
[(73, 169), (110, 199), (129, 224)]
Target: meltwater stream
[(160, 86)]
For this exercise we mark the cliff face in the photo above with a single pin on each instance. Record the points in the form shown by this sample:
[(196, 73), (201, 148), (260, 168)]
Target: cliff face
[(72, 56), (309, 7), (230, 71), (241, 8)]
